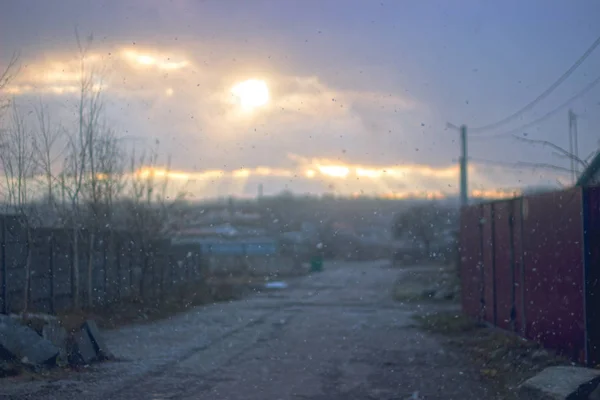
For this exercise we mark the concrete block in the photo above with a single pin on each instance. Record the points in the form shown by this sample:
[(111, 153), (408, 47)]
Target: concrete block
[(83, 351), (57, 335), (559, 383), (24, 344), (97, 340)]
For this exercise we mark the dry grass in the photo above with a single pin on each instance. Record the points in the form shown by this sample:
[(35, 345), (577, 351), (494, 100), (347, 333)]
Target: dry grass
[(174, 302), (503, 359), (422, 283)]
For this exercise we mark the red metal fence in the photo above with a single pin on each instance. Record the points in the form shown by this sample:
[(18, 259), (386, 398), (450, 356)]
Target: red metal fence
[(531, 265)]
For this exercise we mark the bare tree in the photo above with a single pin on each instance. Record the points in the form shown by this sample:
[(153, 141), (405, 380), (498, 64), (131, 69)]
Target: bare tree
[(104, 184), (47, 154), (17, 158), (7, 76), (149, 206), (80, 180), (424, 224), (107, 182)]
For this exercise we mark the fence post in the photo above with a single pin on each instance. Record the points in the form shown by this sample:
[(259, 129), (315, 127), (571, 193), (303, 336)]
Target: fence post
[(511, 235), (161, 281), (482, 264), (133, 284), (74, 290), (117, 248), (199, 266), (522, 267), (132, 291), (4, 271), (104, 268), (51, 270), (494, 300), (171, 273)]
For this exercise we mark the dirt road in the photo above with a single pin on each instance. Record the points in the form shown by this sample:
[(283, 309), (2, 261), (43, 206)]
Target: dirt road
[(335, 335)]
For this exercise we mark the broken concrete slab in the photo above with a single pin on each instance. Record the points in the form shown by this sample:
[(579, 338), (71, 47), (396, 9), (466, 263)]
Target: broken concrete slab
[(83, 350), (22, 343), (40, 316), (57, 335), (97, 340), (560, 383)]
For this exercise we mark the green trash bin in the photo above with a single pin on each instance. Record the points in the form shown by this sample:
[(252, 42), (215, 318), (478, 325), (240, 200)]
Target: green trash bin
[(316, 263)]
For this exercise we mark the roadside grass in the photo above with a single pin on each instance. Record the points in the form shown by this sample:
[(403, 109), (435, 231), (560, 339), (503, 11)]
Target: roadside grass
[(426, 283), (134, 310), (214, 289), (503, 359), (180, 299)]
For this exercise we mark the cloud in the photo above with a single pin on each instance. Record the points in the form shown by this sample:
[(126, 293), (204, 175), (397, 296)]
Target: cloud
[(313, 175), (310, 136), (172, 94)]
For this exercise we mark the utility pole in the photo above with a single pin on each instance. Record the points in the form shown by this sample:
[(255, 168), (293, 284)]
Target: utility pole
[(260, 191), (462, 162), (464, 197), (573, 145)]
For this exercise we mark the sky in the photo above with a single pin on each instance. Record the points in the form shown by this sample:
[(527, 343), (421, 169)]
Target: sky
[(359, 92)]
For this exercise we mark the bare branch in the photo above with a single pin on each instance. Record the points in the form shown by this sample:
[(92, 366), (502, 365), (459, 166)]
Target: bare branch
[(16, 156), (10, 72), (44, 143), (7, 76)]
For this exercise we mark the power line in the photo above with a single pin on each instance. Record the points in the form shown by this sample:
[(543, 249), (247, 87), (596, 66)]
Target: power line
[(544, 117), (520, 165), (544, 94)]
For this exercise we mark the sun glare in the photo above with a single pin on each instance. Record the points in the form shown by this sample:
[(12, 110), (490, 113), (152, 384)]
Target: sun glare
[(251, 94)]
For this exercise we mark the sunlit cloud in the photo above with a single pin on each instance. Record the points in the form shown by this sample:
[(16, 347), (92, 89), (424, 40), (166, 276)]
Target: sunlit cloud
[(334, 171), (393, 182), (170, 94), (141, 59)]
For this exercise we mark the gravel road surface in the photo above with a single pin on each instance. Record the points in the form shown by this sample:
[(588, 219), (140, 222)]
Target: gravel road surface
[(333, 335)]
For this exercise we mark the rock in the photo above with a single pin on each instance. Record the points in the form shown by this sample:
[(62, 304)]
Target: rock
[(97, 340), (23, 343), (83, 350), (57, 335), (561, 382), (444, 293), (540, 354), (595, 395)]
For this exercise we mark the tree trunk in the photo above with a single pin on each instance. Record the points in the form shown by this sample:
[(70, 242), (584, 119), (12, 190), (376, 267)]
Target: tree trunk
[(90, 269)]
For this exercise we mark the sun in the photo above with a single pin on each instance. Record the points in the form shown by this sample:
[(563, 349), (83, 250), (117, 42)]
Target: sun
[(251, 94)]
